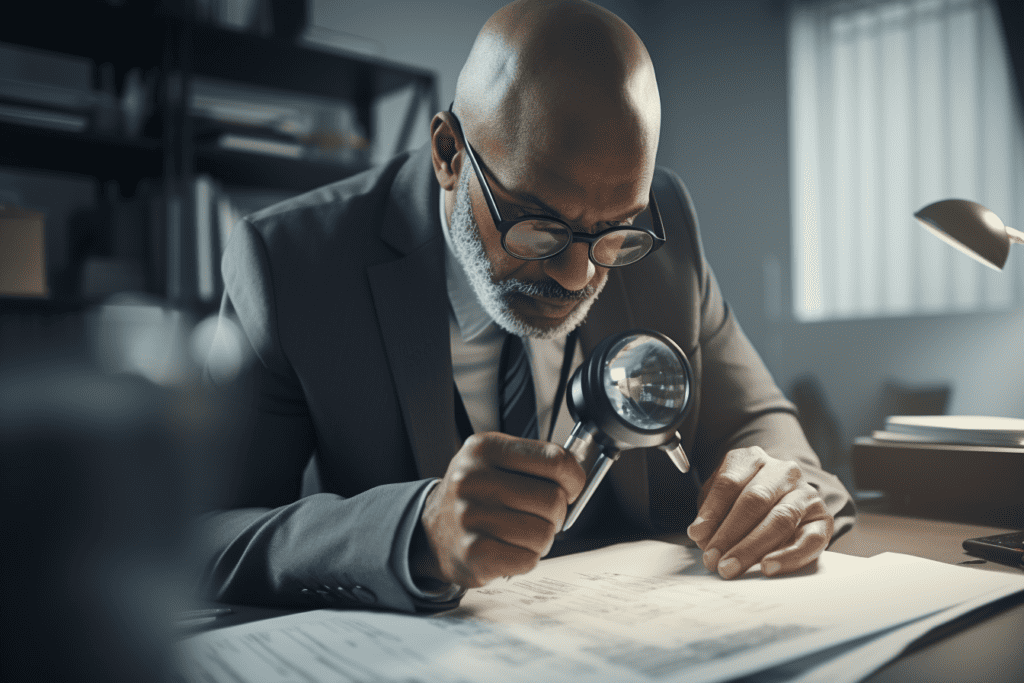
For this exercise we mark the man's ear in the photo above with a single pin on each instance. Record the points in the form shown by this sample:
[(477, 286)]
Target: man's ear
[(445, 148)]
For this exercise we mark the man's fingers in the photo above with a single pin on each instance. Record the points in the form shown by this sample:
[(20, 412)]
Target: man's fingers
[(811, 539), (517, 492), (759, 500), (515, 528), (497, 509), (535, 458), (483, 558), (737, 469), (778, 527)]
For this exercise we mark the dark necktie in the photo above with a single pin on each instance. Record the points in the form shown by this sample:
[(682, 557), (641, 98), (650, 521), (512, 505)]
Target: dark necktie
[(516, 402)]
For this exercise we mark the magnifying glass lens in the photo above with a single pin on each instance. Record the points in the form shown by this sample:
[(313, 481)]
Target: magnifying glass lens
[(645, 382)]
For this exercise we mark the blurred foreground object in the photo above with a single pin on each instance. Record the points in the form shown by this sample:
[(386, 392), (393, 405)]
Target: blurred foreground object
[(972, 229), (108, 440)]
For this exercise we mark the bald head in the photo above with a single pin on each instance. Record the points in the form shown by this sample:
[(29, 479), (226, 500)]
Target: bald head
[(560, 82), (559, 104)]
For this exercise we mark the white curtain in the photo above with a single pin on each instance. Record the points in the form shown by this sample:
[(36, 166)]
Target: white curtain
[(894, 105)]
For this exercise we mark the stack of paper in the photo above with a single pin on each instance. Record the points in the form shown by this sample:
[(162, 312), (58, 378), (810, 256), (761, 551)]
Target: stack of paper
[(641, 611), (954, 429)]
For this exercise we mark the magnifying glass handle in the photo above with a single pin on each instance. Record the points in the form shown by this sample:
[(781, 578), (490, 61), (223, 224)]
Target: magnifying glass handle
[(676, 454), (600, 469)]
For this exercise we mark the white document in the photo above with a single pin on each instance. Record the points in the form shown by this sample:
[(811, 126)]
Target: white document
[(645, 611), (858, 659)]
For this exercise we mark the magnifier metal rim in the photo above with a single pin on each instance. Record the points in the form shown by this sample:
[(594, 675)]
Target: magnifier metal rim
[(594, 376)]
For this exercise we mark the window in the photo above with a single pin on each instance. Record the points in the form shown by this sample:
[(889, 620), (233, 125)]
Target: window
[(895, 105)]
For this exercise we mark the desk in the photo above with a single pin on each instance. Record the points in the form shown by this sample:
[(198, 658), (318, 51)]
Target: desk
[(987, 650)]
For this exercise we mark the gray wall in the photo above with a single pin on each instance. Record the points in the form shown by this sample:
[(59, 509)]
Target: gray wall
[(433, 35), (722, 75)]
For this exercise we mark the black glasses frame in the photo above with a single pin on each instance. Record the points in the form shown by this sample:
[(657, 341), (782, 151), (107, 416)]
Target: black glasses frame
[(505, 226)]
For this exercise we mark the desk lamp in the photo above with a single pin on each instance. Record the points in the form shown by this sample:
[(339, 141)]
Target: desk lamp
[(972, 229)]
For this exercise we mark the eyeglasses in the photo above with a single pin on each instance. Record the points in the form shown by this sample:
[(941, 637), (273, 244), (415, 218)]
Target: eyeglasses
[(536, 237)]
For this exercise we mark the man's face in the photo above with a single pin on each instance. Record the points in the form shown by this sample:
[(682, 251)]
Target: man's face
[(549, 298)]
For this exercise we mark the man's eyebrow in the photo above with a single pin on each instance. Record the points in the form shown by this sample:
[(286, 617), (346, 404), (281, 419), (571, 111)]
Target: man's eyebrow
[(534, 200)]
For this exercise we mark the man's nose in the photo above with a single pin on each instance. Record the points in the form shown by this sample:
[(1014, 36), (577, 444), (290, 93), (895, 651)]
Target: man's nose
[(573, 268)]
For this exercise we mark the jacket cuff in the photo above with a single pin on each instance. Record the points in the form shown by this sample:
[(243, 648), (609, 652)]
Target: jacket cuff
[(400, 554)]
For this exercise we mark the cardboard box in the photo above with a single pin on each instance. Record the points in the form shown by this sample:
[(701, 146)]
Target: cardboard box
[(22, 252)]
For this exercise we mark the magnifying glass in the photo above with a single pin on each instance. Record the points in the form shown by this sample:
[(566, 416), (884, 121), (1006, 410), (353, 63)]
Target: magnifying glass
[(632, 392)]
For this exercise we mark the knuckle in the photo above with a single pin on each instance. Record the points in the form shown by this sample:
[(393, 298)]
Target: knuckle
[(552, 500), (818, 537), (759, 494), (787, 514), (731, 458), (793, 473), (815, 541), (816, 508), (471, 544), (810, 494), (554, 453), (758, 452), (474, 443), (462, 483), (457, 478), (729, 479), (727, 485), (468, 516)]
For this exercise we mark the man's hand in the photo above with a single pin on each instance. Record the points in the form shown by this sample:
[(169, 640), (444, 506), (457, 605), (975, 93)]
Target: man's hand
[(759, 509), (497, 510)]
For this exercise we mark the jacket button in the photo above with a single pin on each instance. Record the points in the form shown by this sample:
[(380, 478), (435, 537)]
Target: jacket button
[(364, 595), (344, 593)]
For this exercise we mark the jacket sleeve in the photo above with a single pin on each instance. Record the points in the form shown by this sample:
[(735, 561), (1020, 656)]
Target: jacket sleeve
[(740, 402), (262, 543)]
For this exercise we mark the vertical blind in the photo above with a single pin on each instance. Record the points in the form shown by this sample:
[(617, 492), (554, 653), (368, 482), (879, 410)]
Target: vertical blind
[(895, 105)]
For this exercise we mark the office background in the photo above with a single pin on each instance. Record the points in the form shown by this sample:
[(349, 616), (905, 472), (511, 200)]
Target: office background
[(723, 75)]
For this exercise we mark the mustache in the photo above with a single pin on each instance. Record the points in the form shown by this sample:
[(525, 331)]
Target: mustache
[(548, 289)]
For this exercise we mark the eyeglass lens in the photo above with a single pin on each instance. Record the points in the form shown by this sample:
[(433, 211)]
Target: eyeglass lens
[(538, 239)]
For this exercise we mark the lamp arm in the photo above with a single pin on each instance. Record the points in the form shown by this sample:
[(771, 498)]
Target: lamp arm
[(1015, 235)]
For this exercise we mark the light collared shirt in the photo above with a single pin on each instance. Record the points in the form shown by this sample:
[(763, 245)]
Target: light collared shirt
[(476, 342)]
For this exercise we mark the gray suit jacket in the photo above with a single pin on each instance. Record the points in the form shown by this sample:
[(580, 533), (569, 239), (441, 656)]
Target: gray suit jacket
[(341, 293)]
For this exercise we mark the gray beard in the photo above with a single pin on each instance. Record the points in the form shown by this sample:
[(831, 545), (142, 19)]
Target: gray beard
[(496, 297)]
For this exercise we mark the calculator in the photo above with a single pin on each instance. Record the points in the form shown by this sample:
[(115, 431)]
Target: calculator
[(1002, 548)]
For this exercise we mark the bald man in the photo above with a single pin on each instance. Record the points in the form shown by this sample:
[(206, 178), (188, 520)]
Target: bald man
[(390, 314)]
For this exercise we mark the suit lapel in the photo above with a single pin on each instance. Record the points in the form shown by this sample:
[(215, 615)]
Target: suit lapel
[(411, 297)]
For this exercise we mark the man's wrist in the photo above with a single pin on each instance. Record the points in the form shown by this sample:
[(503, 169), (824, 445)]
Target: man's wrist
[(414, 562)]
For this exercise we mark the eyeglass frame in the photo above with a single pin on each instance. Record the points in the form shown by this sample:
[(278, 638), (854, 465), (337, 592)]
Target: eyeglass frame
[(505, 226)]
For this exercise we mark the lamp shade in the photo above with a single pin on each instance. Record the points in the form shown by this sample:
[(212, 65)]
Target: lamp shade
[(969, 227)]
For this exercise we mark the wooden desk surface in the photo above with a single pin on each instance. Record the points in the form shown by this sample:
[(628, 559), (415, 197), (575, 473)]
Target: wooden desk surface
[(932, 539)]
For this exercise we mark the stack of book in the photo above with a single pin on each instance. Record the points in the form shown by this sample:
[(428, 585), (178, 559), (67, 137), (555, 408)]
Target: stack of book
[(49, 90), (968, 430), (267, 122)]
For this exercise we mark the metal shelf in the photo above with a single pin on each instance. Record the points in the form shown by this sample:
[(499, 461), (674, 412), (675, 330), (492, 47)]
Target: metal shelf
[(265, 171), (82, 153), (180, 50)]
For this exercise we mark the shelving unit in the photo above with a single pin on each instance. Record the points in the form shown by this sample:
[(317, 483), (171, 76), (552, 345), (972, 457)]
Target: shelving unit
[(167, 153)]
